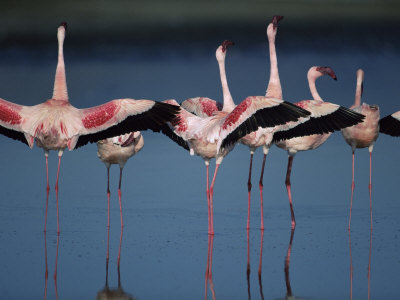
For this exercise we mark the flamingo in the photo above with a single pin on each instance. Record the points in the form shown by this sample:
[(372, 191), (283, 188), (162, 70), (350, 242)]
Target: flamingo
[(317, 107), (55, 124), (118, 150), (362, 135)]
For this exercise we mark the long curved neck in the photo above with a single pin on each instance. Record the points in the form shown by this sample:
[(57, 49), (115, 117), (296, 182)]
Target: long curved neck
[(360, 77), (274, 89), (229, 105), (60, 83), (312, 77)]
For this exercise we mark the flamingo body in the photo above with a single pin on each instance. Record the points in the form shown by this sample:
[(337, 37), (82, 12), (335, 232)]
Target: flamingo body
[(201, 106), (116, 151)]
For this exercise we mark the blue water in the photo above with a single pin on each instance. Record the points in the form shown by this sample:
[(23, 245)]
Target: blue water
[(165, 243)]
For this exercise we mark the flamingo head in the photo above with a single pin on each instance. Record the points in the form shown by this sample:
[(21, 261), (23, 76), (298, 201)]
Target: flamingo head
[(272, 27), (221, 51), (327, 71), (61, 30)]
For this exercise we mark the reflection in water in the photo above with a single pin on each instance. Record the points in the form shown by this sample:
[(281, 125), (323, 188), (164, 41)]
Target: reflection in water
[(289, 293), (259, 265), (351, 267), (208, 276), (108, 293), (46, 273)]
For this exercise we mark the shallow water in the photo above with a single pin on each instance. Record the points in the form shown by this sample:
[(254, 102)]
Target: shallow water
[(165, 246)]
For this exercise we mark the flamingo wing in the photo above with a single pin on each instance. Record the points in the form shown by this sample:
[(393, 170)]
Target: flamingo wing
[(122, 116), (325, 117), (176, 130), (201, 106), (255, 112), (390, 124), (11, 120)]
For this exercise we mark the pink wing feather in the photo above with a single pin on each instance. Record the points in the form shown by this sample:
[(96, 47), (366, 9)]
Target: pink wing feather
[(11, 120)]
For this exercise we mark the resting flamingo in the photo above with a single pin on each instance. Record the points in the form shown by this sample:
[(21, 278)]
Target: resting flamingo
[(317, 107), (362, 135), (56, 124), (118, 150)]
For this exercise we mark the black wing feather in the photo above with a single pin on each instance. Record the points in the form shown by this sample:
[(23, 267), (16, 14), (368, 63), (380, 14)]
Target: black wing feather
[(341, 118), (16, 135), (177, 139), (389, 125), (153, 119), (266, 117)]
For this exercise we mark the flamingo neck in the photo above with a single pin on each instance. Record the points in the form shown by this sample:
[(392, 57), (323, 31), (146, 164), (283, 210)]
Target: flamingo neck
[(357, 99), (312, 76), (229, 105), (274, 89), (60, 83)]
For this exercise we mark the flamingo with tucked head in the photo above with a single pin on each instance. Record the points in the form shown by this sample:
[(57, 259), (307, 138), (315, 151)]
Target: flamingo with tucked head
[(362, 135), (56, 124), (118, 150)]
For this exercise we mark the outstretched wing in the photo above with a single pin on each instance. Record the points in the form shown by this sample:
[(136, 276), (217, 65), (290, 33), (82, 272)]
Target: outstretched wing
[(390, 124), (255, 112), (11, 119), (122, 116), (201, 106), (176, 129), (325, 117)]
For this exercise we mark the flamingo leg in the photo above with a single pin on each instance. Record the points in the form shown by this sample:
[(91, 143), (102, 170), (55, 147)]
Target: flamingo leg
[(260, 265), (211, 230), (370, 186), (58, 173), (288, 187), (208, 194), (261, 186), (210, 268), (249, 191), (119, 196), (352, 189), (108, 196), (47, 188)]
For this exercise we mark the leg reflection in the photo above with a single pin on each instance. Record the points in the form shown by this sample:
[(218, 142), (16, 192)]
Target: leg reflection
[(208, 276), (248, 265), (260, 265), (287, 265), (46, 274)]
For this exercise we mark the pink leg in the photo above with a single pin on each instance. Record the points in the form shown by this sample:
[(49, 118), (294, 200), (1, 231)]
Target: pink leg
[(352, 189), (108, 197), (249, 191), (370, 186), (211, 230), (47, 191), (370, 234), (260, 265), (288, 187), (119, 196), (261, 192), (287, 265), (210, 268), (108, 250), (208, 195), (58, 173)]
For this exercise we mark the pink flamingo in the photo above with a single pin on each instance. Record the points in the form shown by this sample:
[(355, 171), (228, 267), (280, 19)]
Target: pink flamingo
[(336, 118), (56, 124), (118, 150), (362, 135)]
